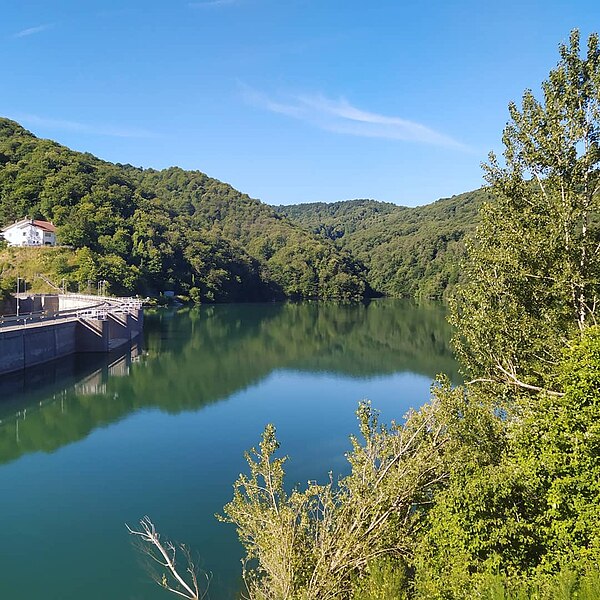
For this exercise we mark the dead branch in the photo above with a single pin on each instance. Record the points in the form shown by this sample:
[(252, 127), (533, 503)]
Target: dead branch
[(516, 382), (164, 553)]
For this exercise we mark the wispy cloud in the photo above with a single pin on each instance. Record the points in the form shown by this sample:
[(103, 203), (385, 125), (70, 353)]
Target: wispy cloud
[(85, 128), (32, 30), (340, 116), (212, 3)]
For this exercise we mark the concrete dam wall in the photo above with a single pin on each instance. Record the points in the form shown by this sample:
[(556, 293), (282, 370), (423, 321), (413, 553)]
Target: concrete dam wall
[(65, 325)]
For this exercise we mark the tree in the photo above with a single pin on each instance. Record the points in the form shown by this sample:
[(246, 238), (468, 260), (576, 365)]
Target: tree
[(532, 267), (343, 539), (557, 446), (526, 507)]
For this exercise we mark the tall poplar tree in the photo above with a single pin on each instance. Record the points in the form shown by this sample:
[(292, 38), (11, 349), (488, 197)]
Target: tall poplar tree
[(533, 266)]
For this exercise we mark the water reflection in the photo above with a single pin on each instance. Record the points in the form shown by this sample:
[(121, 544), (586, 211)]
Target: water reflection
[(44, 407), (195, 357)]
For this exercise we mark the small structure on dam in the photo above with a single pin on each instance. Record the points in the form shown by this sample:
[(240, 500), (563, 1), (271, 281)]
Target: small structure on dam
[(50, 326)]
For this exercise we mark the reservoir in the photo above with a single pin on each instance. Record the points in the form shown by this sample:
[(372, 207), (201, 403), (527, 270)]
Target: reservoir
[(159, 428)]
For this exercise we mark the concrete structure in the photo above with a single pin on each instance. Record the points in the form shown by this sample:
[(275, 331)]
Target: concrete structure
[(30, 232), (67, 324)]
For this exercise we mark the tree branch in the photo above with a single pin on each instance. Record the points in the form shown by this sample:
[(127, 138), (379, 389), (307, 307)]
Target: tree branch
[(152, 546)]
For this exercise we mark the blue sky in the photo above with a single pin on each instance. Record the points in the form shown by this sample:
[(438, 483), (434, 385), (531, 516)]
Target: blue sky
[(288, 100)]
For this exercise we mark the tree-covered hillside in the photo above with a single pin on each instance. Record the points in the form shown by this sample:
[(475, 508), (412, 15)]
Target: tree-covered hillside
[(407, 251), (146, 231), (336, 220)]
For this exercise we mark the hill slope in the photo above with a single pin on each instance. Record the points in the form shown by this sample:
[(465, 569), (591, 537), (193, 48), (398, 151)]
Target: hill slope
[(407, 251), (146, 231)]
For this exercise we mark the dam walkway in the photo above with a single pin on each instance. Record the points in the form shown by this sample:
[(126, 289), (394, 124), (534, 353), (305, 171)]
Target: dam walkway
[(51, 326)]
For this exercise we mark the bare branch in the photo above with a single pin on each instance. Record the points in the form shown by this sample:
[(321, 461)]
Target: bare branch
[(165, 554), (513, 379)]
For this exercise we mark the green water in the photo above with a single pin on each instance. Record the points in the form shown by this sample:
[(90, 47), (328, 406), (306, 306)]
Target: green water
[(94, 442)]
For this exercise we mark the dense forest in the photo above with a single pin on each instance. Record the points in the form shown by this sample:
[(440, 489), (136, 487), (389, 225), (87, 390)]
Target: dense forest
[(147, 231), (414, 252)]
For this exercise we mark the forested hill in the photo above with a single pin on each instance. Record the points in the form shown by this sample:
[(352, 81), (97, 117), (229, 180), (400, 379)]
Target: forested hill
[(407, 251), (146, 231)]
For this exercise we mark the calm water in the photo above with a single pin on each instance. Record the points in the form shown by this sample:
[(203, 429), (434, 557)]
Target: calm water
[(95, 442)]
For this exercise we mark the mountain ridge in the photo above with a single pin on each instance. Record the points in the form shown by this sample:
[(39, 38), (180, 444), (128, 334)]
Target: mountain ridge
[(408, 251), (146, 231)]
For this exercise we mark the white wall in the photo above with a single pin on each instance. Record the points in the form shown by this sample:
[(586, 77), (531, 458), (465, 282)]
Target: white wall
[(29, 235)]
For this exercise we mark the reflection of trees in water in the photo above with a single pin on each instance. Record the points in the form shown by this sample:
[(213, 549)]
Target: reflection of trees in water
[(44, 408), (196, 357)]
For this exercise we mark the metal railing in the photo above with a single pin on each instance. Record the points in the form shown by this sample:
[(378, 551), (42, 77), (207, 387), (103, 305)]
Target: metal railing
[(101, 308), (30, 318)]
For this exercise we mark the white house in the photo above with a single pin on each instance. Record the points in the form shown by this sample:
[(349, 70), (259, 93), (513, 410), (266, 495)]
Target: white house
[(30, 232)]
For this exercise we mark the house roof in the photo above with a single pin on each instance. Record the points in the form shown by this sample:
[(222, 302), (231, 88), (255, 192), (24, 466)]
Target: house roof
[(15, 224), (44, 225)]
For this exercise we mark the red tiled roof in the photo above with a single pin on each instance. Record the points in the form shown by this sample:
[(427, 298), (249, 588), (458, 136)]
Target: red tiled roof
[(45, 225)]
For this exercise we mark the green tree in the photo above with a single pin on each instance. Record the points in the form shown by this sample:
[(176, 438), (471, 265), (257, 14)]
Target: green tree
[(320, 542), (523, 501), (557, 446), (533, 265)]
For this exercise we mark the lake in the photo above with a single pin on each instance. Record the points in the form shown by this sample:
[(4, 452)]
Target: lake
[(94, 442)]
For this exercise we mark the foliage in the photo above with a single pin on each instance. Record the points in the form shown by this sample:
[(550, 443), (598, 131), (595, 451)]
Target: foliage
[(7, 285), (148, 231), (413, 252), (564, 585), (383, 579), (329, 541), (558, 448), (530, 515), (532, 270), (528, 509), (492, 493)]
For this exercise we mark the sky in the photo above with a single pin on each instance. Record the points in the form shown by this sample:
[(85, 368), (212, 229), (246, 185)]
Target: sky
[(289, 101)]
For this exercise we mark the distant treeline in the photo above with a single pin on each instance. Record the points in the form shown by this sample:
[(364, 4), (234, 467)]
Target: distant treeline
[(407, 251)]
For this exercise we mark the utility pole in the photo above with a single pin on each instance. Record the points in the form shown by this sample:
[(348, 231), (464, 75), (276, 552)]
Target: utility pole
[(17, 296)]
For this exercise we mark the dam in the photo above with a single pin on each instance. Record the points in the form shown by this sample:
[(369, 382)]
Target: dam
[(47, 327)]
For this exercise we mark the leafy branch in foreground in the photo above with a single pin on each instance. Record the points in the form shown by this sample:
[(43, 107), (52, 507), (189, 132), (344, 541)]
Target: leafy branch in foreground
[(162, 562), (321, 542)]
